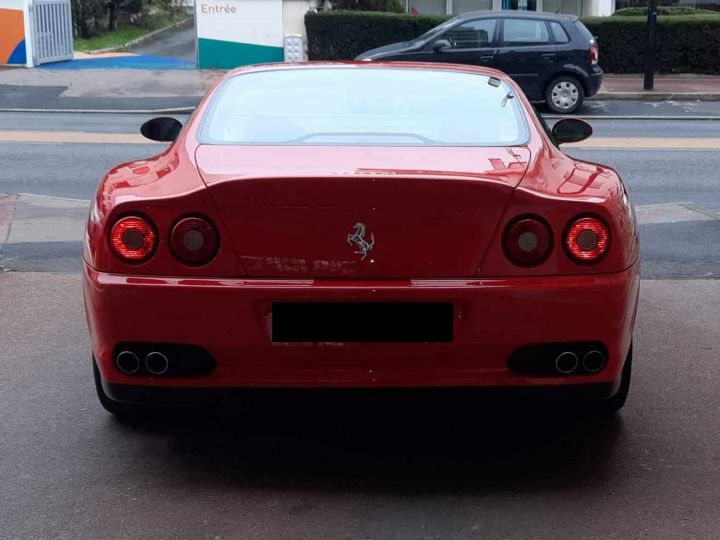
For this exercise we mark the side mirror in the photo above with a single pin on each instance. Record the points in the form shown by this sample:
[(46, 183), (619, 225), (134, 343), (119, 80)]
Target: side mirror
[(441, 45), (162, 129), (569, 130)]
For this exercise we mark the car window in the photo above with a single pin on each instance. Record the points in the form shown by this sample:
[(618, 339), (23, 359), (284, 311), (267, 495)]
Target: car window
[(364, 106), (472, 34), (558, 32), (525, 32)]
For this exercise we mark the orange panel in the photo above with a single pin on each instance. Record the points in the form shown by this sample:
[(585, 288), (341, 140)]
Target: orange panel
[(12, 32)]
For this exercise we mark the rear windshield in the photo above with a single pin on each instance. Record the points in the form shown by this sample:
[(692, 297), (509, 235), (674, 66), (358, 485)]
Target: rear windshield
[(364, 106)]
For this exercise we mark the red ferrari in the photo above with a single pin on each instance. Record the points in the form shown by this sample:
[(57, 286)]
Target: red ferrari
[(361, 225)]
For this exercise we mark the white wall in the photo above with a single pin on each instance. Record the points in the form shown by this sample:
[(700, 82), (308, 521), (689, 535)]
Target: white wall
[(28, 34), (294, 16)]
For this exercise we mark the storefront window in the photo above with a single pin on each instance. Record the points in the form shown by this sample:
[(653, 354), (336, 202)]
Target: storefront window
[(567, 7), (427, 7), (463, 6), (522, 5)]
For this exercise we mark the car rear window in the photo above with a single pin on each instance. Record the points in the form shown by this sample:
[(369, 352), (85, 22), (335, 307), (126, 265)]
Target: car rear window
[(559, 33), (364, 106)]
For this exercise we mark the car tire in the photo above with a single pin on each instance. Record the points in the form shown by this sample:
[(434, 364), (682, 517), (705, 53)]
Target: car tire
[(564, 94), (615, 403), (117, 408)]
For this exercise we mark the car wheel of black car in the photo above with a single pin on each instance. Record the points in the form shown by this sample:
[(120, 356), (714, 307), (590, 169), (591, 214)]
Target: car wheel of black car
[(564, 94), (121, 410)]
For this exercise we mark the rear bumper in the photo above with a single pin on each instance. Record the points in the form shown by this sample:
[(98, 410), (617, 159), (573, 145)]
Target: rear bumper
[(594, 81), (231, 318), (198, 397)]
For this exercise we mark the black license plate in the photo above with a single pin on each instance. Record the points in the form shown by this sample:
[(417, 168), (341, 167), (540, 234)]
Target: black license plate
[(362, 322)]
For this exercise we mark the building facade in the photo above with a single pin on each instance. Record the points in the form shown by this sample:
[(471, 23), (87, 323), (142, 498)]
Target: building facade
[(581, 8)]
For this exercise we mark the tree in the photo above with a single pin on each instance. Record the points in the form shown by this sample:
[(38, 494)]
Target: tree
[(85, 11)]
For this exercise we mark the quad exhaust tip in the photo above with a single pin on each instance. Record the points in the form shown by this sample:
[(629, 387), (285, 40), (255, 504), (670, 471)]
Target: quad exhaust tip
[(566, 362), (156, 363), (593, 361), (128, 362)]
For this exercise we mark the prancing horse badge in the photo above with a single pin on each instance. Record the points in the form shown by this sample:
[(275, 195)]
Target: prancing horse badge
[(357, 238)]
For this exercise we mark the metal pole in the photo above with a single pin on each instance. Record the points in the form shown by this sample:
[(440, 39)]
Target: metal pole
[(649, 81)]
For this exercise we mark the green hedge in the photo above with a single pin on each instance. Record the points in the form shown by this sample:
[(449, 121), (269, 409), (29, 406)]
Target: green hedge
[(687, 44), (342, 35), (391, 6), (641, 11)]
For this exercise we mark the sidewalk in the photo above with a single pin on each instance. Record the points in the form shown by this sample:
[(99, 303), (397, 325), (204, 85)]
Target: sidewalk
[(686, 87), (103, 89), (148, 90)]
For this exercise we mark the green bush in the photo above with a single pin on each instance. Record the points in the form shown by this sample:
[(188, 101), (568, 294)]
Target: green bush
[(392, 6), (686, 44), (641, 11), (342, 35)]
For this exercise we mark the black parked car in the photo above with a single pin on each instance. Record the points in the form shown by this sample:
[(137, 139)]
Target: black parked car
[(554, 58)]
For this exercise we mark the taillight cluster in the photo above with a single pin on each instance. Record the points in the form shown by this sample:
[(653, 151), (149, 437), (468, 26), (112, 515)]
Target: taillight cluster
[(587, 240), (134, 238), (194, 241), (594, 53), (528, 240)]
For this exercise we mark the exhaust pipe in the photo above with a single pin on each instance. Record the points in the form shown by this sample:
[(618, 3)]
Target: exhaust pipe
[(593, 361), (156, 363), (127, 362), (566, 362)]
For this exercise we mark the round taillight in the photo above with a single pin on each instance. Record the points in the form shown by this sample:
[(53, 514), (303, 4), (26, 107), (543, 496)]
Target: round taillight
[(133, 238), (587, 240), (527, 241), (194, 240)]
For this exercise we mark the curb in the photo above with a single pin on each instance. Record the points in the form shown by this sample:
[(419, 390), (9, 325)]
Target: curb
[(656, 96), (142, 39)]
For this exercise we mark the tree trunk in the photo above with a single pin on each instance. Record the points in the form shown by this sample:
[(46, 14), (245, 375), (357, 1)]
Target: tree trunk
[(112, 16)]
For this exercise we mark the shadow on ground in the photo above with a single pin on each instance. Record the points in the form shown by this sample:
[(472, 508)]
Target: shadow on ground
[(383, 443)]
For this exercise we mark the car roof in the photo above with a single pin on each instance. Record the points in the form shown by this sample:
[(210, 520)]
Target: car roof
[(507, 14)]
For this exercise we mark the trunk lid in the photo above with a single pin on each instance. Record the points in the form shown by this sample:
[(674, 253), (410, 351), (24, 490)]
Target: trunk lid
[(361, 212)]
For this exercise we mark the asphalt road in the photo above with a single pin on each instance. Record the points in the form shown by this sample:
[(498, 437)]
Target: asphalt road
[(177, 44), (329, 467), (674, 244)]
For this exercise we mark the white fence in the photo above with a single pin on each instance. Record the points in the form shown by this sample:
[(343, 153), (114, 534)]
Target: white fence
[(52, 31)]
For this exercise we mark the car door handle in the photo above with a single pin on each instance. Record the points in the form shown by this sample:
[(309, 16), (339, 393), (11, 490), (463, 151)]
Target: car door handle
[(548, 56), (487, 56)]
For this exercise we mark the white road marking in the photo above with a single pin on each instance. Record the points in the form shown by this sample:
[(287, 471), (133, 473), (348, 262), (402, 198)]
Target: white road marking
[(39, 218), (672, 213)]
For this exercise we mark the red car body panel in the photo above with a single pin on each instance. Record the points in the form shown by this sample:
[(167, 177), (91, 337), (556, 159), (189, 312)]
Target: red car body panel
[(283, 214), (303, 201), (231, 318)]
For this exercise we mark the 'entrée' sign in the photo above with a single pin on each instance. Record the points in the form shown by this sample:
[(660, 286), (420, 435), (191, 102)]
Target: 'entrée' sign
[(233, 33), (216, 8)]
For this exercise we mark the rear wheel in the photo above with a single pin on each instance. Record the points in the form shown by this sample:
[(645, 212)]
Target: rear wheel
[(564, 94)]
